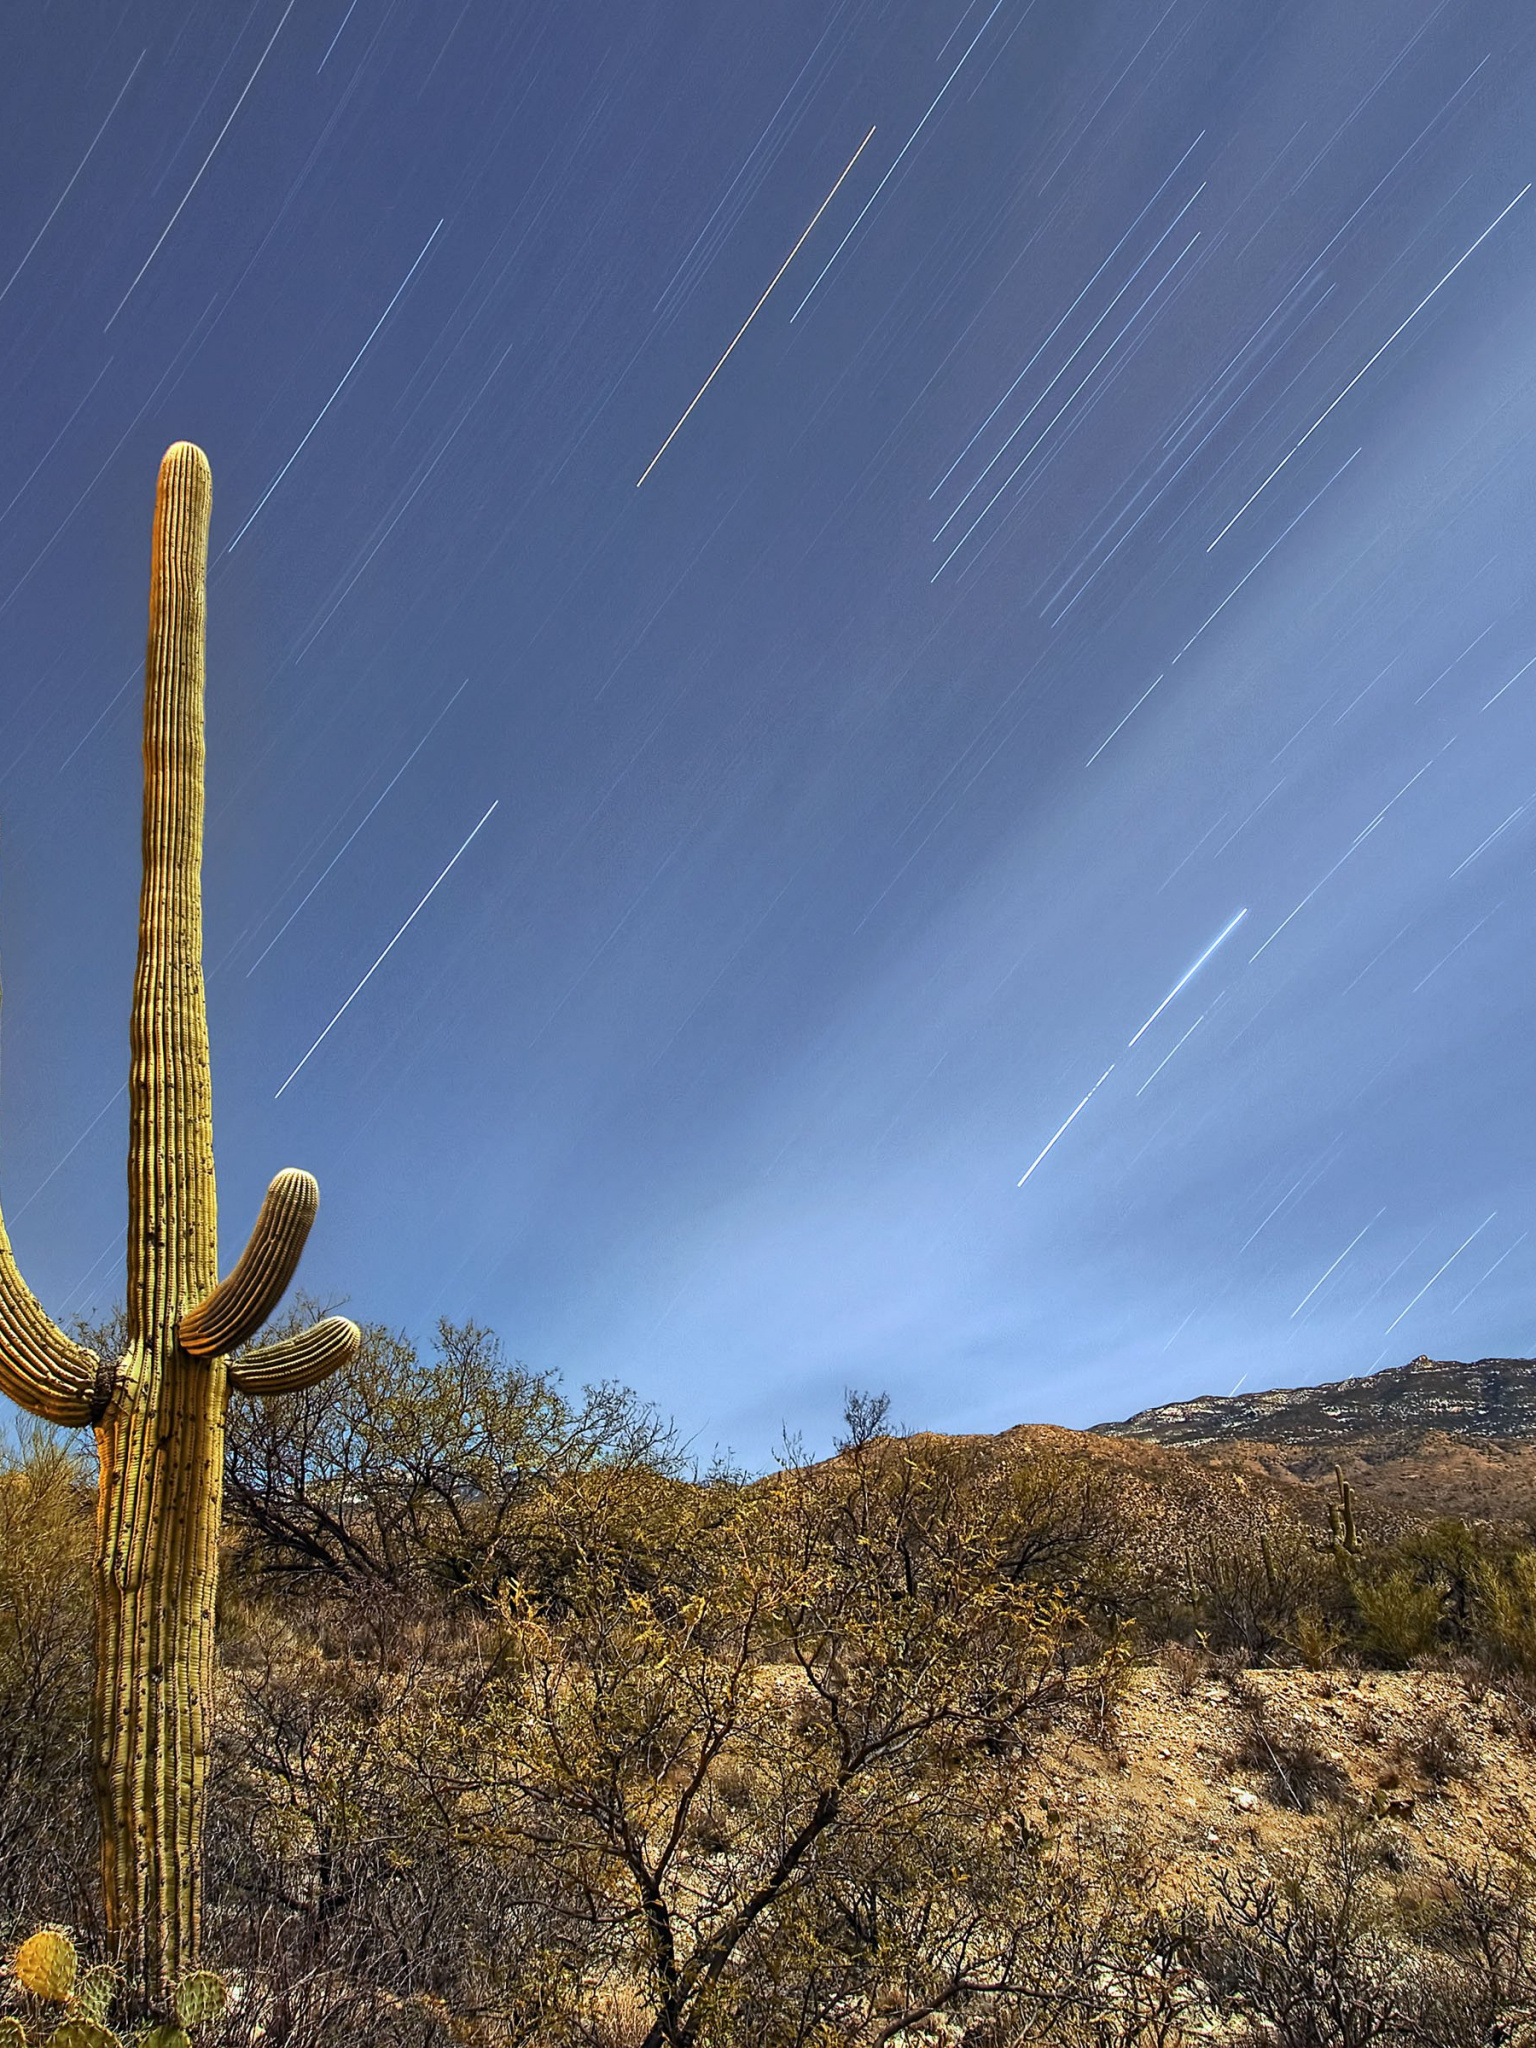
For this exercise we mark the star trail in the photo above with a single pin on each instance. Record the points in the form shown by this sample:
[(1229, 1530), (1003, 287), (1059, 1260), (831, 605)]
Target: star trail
[(1103, 547)]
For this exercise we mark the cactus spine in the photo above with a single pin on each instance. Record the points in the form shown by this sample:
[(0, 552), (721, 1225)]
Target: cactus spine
[(158, 1412)]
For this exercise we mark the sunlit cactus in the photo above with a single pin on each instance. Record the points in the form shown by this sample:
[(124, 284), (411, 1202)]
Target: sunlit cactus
[(12, 2033), (1342, 1517), (45, 1965), (158, 1411)]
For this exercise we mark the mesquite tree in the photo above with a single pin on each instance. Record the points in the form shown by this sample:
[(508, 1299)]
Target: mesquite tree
[(158, 1411)]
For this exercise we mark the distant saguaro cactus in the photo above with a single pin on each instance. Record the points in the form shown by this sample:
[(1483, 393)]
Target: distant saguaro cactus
[(158, 1412)]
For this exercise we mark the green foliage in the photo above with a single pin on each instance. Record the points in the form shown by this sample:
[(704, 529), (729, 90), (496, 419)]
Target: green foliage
[(1505, 1601), (1399, 1613)]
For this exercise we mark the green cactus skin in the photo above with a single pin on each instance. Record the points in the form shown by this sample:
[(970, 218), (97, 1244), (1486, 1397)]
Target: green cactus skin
[(80, 2033), (164, 2037), (45, 1965), (200, 1998), (158, 1412), (94, 1993), (12, 2033)]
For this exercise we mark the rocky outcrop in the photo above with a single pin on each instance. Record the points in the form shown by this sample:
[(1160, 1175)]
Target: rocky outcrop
[(1492, 1398)]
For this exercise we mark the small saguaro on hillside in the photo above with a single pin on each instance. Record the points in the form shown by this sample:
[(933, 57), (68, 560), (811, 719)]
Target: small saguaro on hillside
[(158, 1411)]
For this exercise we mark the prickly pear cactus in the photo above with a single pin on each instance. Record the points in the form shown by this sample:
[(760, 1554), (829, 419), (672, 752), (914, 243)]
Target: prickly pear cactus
[(12, 2033), (81, 2033), (94, 1993), (164, 2037), (46, 1964), (200, 1998)]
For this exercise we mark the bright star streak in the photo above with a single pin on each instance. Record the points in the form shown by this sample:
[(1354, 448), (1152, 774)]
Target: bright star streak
[(79, 167), (1188, 976), (1343, 1255), (1167, 1056), (1055, 416), (335, 39), (1520, 1240), (1455, 949), (207, 160), (373, 970), (320, 415), (1358, 840), (1519, 672), (1088, 287), (1494, 834), (1262, 559), (714, 373), (1455, 1255), (1070, 1120), (944, 88), (1146, 693), (362, 821), (1418, 309)]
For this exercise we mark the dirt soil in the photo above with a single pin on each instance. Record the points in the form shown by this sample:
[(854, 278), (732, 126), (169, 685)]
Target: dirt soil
[(1218, 1774)]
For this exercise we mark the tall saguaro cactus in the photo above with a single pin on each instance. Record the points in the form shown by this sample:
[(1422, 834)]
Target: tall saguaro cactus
[(158, 1411)]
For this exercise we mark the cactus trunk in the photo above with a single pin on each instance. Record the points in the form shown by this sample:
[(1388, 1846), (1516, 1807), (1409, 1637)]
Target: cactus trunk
[(161, 1448), (159, 1411)]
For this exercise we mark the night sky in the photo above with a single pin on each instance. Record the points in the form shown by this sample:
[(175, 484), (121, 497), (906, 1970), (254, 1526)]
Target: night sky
[(1106, 548)]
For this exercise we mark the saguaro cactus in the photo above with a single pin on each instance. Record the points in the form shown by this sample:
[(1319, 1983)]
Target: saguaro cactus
[(158, 1411)]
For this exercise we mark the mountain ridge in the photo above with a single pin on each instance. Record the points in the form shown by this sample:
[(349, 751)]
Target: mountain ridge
[(1491, 1399)]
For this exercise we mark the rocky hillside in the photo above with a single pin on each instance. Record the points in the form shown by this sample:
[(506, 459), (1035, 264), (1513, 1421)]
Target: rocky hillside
[(1436, 1436), (1494, 1397)]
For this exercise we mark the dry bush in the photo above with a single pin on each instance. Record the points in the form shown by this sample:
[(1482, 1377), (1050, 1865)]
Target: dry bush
[(47, 1824), (1328, 1954), (1315, 1638), (1185, 1667)]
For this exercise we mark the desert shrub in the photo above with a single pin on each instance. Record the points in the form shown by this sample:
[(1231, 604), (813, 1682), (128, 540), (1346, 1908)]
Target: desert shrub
[(1185, 1666), (1399, 1614), (1505, 1606), (47, 1825), (1316, 1638), (415, 1474), (1247, 1580), (1299, 1770)]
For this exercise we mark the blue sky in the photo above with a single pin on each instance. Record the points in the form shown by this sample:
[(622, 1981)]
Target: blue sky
[(1111, 531)]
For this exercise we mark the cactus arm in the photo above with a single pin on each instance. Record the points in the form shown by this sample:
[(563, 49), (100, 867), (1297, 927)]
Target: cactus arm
[(298, 1361), (41, 1369), (240, 1304)]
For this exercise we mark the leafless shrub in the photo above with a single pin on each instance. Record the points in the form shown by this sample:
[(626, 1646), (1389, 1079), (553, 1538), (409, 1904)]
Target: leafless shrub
[(1185, 1667)]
